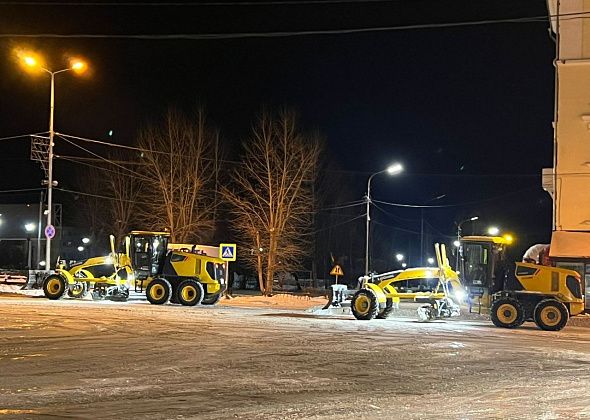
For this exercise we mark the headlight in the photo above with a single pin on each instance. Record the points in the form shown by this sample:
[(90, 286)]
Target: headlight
[(460, 295)]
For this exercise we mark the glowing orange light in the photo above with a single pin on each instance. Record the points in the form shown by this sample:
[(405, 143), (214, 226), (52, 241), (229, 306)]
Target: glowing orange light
[(30, 61), (78, 66)]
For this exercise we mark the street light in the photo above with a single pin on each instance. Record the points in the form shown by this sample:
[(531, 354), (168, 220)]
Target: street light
[(29, 227), (493, 230), (457, 243), (393, 169), (430, 260), (80, 248), (85, 240), (399, 257), (32, 61)]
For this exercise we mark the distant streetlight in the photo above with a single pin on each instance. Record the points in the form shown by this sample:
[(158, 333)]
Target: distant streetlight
[(394, 169), (459, 225), (404, 265), (493, 230), (457, 243), (80, 248), (430, 260), (399, 257), (29, 227), (85, 240), (34, 62)]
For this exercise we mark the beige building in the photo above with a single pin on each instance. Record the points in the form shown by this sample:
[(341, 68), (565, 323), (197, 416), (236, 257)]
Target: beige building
[(568, 181)]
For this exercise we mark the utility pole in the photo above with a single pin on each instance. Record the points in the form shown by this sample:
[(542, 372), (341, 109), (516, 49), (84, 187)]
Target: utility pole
[(39, 231), (50, 173)]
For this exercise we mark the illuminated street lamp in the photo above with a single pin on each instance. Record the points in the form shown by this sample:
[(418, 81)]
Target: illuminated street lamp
[(493, 230), (430, 260), (394, 169), (404, 265), (80, 248), (85, 240), (29, 227), (399, 257), (33, 62)]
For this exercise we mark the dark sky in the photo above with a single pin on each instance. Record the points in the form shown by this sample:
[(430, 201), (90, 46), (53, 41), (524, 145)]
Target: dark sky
[(467, 110)]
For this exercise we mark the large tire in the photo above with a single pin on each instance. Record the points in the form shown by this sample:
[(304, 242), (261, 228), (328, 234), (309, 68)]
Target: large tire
[(78, 290), (211, 299), (54, 286), (551, 315), (507, 313), (158, 292), (190, 293), (364, 305), (387, 310)]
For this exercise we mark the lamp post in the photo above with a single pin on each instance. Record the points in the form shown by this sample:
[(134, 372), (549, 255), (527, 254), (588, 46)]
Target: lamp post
[(78, 66), (29, 227), (459, 225), (394, 169)]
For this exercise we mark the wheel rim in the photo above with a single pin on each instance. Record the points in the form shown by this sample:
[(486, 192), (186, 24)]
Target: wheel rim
[(77, 289), (507, 313), (54, 286), (189, 293), (550, 316), (157, 291), (362, 304)]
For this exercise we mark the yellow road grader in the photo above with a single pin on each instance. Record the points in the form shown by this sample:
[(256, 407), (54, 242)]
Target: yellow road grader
[(166, 272), (437, 288)]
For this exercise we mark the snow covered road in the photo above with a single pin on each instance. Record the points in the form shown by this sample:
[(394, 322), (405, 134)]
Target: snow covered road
[(114, 360)]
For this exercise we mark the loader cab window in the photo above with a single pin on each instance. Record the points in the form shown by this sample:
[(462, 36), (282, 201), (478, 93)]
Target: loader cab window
[(476, 263), (216, 271)]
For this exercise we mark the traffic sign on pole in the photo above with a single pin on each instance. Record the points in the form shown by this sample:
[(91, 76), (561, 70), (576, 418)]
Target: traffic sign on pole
[(49, 231)]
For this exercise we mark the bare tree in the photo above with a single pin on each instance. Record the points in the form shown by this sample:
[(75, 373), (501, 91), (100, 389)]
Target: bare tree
[(125, 187), (272, 196), (180, 173)]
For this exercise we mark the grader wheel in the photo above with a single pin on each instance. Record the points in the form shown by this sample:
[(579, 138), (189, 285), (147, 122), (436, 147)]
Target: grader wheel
[(78, 290), (190, 293), (364, 305), (507, 313), (158, 291), (54, 287), (551, 315)]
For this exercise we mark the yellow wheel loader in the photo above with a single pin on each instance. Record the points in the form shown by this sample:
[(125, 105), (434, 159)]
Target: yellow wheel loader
[(165, 272)]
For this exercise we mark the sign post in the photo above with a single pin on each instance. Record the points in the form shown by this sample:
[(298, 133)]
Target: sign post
[(337, 272)]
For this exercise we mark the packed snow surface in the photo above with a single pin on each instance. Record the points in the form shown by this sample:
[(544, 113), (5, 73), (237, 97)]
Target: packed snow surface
[(85, 359)]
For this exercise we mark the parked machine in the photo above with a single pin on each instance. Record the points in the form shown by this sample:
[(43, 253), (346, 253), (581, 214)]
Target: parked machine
[(166, 272)]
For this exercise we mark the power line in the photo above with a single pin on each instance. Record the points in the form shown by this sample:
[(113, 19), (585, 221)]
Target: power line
[(281, 34), (192, 4), (22, 135), (455, 205), (101, 196), (21, 190)]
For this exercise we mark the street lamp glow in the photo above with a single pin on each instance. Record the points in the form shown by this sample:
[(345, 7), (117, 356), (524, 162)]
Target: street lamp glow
[(399, 257), (30, 61), (85, 240), (78, 66), (404, 265), (394, 169), (42, 263), (80, 248), (29, 227), (430, 260), (493, 230), (474, 218), (457, 243)]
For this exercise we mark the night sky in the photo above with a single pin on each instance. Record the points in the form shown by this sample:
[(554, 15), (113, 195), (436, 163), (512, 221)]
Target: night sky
[(467, 110)]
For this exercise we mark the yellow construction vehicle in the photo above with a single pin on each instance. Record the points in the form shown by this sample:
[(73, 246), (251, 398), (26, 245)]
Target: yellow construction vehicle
[(379, 294), (166, 272), (543, 294)]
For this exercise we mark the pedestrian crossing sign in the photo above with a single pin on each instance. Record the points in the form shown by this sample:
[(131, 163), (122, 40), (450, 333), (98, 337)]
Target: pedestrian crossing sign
[(227, 252)]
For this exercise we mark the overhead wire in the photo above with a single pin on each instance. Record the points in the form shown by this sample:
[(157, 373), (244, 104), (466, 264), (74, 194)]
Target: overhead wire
[(193, 4), (279, 34), (22, 135), (106, 197)]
